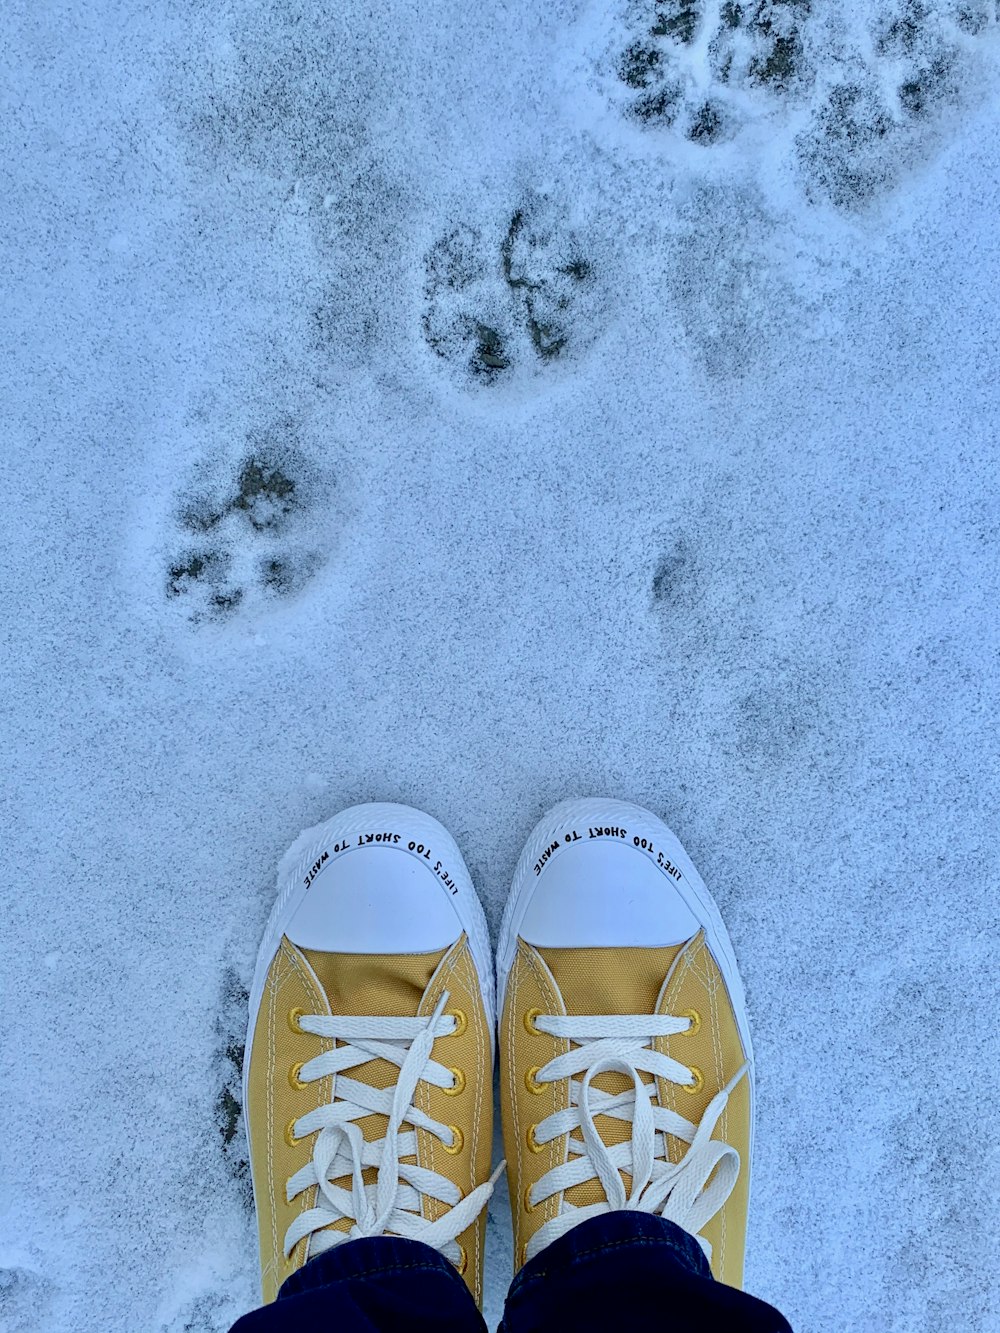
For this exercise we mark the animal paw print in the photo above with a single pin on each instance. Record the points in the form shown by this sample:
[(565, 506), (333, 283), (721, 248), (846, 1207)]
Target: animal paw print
[(528, 296), (876, 124), (761, 45), (705, 71), (653, 66), (754, 50), (246, 543)]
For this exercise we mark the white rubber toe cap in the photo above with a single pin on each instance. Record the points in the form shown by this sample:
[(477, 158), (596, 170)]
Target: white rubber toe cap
[(375, 899), (605, 894)]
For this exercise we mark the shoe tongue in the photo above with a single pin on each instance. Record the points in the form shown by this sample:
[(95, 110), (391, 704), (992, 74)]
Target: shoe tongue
[(385, 985), (376, 985), (609, 981)]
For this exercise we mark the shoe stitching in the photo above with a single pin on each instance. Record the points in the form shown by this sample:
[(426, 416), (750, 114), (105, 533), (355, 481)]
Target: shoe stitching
[(457, 966), (669, 1095), (425, 1143), (705, 970), (560, 1094), (511, 1008), (472, 988), (720, 1072), (467, 983), (451, 970), (303, 973), (271, 1205)]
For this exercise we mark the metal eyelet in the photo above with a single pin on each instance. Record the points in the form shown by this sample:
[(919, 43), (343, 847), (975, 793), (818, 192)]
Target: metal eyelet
[(459, 1078), (463, 1262), (458, 1142), (529, 1021), (293, 1020), (530, 1082), (461, 1022), (695, 1018), (533, 1144), (698, 1081), (529, 1207), (290, 1136), (294, 1079)]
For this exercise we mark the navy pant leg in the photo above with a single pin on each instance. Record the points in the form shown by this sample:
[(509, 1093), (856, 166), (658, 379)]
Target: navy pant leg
[(629, 1270), (370, 1286)]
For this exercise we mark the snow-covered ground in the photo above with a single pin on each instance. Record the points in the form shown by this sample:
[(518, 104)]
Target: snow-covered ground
[(475, 406)]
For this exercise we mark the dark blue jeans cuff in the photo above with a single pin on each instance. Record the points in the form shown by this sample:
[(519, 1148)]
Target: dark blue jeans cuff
[(367, 1257), (609, 1234), (627, 1265)]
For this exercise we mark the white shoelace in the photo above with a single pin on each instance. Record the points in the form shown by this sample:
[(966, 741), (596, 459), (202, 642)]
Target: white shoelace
[(686, 1192), (392, 1203)]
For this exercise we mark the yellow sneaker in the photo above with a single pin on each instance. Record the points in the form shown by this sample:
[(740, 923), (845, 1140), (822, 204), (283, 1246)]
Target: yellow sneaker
[(626, 1073), (368, 1078)]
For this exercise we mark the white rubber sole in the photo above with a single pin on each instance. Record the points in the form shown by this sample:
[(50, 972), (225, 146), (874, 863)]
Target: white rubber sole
[(420, 835)]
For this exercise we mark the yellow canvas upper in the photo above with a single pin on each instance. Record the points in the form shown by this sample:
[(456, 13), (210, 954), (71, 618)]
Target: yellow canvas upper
[(396, 985), (677, 980)]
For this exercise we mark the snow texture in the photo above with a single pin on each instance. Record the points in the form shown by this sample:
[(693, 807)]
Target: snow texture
[(475, 406)]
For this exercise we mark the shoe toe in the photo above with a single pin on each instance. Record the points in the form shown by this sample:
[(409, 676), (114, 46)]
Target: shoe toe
[(603, 891), (378, 898)]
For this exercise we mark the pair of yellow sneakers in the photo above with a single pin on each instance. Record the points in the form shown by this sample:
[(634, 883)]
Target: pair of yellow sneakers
[(626, 1073)]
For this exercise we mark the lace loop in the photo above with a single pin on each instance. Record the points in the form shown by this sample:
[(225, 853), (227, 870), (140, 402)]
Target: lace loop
[(689, 1192)]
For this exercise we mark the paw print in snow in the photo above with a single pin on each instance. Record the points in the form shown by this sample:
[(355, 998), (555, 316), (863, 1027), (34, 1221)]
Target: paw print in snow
[(528, 296), (247, 542), (701, 71), (761, 45), (705, 72), (881, 121)]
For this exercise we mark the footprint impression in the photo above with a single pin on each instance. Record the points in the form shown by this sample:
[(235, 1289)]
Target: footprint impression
[(704, 70), (689, 66), (889, 111), (246, 540), (521, 298)]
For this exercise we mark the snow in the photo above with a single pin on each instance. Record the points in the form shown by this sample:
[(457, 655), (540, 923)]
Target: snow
[(712, 526)]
